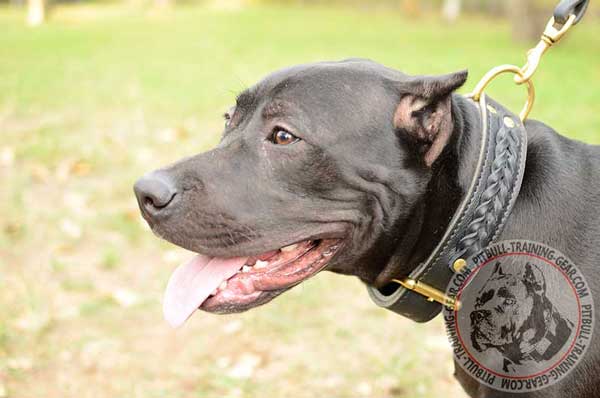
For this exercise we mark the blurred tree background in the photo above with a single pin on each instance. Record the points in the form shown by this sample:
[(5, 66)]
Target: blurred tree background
[(527, 16)]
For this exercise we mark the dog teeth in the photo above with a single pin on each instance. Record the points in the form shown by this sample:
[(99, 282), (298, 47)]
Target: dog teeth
[(222, 286), (289, 248), (246, 268), (261, 264)]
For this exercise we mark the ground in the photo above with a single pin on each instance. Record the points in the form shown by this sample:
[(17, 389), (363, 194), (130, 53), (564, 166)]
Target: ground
[(104, 93)]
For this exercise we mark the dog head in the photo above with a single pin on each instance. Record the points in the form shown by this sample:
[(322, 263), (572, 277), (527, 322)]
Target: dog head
[(319, 166), (507, 309)]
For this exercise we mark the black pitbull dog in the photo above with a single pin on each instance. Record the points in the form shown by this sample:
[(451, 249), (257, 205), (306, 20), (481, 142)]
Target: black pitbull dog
[(355, 168)]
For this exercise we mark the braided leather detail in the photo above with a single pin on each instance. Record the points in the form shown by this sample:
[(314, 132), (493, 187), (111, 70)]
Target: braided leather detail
[(496, 194), (481, 216)]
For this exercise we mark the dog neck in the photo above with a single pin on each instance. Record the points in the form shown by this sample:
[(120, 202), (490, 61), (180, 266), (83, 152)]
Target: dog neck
[(450, 178)]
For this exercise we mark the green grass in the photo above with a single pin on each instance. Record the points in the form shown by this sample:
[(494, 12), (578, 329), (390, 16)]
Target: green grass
[(102, 94)]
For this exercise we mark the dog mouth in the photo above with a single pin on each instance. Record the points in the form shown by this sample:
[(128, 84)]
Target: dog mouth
[(482, 334), (479, 340), (226, 285)]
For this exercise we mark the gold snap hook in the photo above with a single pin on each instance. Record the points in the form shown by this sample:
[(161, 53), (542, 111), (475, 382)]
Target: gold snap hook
[(551, 36), (492, 74)]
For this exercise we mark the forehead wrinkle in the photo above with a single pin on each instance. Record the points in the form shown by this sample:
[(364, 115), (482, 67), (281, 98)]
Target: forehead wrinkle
[(276, 108), (245, 99)]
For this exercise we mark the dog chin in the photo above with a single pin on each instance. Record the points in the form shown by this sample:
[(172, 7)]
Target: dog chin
[(266, 276), (236, 284), (480, 340), (223, 307)]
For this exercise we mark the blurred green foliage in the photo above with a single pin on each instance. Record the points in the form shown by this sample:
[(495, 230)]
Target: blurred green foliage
[(105, 92)]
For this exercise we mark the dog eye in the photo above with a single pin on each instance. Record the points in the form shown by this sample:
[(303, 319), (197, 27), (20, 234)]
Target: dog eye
[(227, 117), (283, 137)]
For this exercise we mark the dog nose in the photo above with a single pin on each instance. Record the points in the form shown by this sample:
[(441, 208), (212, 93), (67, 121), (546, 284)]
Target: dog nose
[(479, 315), (155, 192)]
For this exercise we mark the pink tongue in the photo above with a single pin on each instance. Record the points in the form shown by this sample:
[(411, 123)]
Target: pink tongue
[(193, 282)]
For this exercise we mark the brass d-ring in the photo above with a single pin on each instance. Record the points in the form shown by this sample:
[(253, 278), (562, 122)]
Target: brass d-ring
[(486, 80)]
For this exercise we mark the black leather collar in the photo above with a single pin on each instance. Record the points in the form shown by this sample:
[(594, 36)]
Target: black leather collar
[(480, 217)]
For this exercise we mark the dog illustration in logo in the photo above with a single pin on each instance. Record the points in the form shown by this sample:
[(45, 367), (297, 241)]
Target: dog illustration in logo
[(514, 316)]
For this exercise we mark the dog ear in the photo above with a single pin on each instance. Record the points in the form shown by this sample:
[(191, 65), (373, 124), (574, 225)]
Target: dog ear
[(498, 271), (533, 278), (424, 111)]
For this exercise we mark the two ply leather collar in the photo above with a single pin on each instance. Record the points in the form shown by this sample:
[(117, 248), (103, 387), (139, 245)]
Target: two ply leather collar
[(478, 221)]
